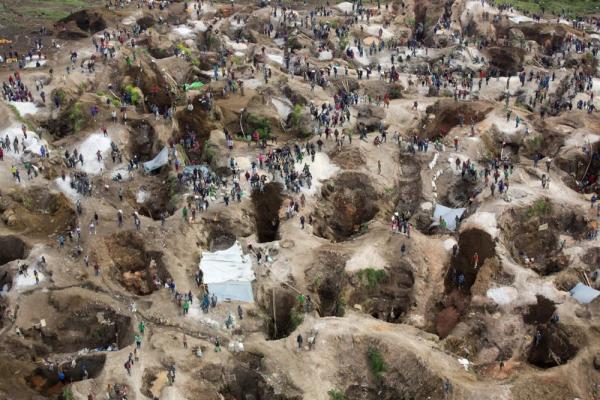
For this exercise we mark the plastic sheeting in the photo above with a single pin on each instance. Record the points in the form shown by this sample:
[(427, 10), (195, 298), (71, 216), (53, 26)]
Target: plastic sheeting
[(449, 215), (161, 159), (583, 293), (228, 273)]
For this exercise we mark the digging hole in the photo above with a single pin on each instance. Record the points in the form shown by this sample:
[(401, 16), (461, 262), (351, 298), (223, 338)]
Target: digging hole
[(141, 140), (46, 382), (12, 248), (266, 211), (556, 346), (540, 312), (287, 314), (139, 270), (245, 384), (470, 242)]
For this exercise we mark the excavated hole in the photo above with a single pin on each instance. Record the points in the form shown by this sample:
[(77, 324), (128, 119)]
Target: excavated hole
[(45, 381), (282, 322), (540, 312), (266, 211), (386, 297), (74, 324), (139, 270), (447, 116), (540, 249), (244, 384), (12, 248), (348, 202), (142, 139), (557, 346), (160, 199)]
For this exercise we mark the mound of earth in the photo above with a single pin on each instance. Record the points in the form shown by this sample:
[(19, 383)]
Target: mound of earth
[(348, 201)]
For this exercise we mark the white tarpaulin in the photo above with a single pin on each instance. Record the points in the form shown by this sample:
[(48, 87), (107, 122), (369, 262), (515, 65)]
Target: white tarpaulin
[(584, 294), (448, 214), (228, 273), (161, 159)]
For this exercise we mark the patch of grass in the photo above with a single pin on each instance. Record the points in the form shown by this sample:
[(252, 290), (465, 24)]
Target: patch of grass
[(343, 43), (134, 93), (20, 118), (76, 116), (539, 208), (376, 362), (335, 394), (183, 49), (296, 114), (67, 394), (296, 318), (372, 276), (259, 124), (571, 7)]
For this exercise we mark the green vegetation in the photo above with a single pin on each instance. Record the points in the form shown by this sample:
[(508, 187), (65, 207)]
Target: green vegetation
[(539, 208), (571, 7), (76, 116), (67, 394), (296, 318), (343, 43), (376, 362), (134, 92), (183, 49), (335, 394), (296, 114), (259, 124), (372, 276)]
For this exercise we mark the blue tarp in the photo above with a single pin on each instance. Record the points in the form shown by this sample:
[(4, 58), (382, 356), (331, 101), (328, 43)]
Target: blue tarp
[(583, 293), (232, 290), (161, 159), (449, 215)]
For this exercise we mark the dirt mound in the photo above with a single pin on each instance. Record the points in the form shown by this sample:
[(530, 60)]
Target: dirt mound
[(506, 60), (267, 204), (37, 211), (12, 248), (348, 158), (86, 20), (445, 115), (45, 380), (557, 344), (139, 270), (347, 203), (533, 234)]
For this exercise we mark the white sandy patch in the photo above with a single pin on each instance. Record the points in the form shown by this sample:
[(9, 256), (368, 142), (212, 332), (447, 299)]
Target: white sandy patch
[(275, 58), (321, 169), (65, 187), (235, 45), (142, 196), (345, 7), (374, 30), (23, 280), (283, 107), (32, 144), (183, 30), (517, 19), (365, 257), (326, 55), (199, 26), (33, 64), (503, 295), (252, 83), (89, 147), (364, 60), (25, 107), (484, 220), (449, 244)]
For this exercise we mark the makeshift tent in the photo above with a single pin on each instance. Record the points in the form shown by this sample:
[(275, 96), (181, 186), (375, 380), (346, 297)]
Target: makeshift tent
[(161, 159), (583, 293), (228, 273), (193, 85), (448, 214)]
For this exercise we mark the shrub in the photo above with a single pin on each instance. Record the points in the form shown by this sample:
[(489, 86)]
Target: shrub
[(335, 394), (373, 276), (376, 362), (539, 208), (259, 124), (76, 116)]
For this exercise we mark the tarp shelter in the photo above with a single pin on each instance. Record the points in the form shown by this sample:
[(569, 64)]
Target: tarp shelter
[(583, 293), (193, 85), (449, 215), (161, 159), (228, 273)]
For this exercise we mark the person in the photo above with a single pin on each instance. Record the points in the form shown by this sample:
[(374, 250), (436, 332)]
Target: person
[(185, 345), (379, 167), (142, 327), (240, 311), (138, 341), (475, 260), (302, 220), (299, 341)]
